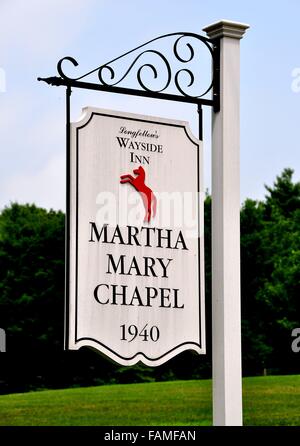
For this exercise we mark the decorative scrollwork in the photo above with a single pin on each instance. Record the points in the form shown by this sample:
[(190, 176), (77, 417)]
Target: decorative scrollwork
[(139, 71), (107, 75)]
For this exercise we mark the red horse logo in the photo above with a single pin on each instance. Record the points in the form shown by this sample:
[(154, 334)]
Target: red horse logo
[(148, 197)]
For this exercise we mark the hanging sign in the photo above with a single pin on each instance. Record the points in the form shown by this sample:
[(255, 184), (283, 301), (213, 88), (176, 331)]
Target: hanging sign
[(136, 260)]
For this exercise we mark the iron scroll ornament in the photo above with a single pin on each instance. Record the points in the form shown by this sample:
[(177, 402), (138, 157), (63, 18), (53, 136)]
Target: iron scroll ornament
[(114, 84)]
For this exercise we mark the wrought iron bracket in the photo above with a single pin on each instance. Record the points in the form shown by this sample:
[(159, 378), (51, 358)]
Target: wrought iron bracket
[(173, 76)]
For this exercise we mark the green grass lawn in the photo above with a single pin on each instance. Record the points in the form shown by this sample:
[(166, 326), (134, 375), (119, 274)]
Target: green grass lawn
[(269, 401)]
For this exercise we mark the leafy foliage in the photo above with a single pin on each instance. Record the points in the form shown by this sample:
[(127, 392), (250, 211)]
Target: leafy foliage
[(271, 276), (32, 297), (32, 277)]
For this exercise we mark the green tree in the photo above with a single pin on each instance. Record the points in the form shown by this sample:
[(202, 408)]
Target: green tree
[(271, 275), (32, 295), (256, 346), (32, 277), (284, 196), (280, 290)]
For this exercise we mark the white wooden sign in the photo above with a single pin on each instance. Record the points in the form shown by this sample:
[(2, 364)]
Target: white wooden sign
[(136, 265)]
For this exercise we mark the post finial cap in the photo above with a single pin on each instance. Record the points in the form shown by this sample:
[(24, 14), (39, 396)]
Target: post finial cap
[(226, 28)]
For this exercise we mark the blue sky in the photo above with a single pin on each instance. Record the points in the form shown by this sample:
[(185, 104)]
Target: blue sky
[(35, 34)]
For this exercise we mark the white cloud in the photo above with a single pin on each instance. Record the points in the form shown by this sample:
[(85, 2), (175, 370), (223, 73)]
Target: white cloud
[(34, 33), (36, 27), (45, 188), (31, 132)]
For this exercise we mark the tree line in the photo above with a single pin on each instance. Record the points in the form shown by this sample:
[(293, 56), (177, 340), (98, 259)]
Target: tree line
[(32, 298)]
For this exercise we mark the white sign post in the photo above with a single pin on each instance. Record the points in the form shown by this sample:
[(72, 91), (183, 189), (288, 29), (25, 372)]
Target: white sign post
[(226, 317), (136, 281)]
